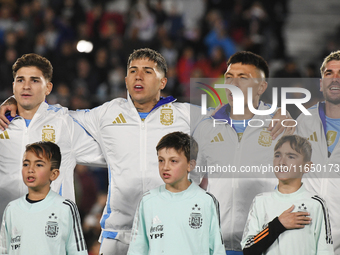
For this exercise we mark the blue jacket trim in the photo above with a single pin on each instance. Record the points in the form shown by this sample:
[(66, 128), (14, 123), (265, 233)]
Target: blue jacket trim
[(223, 113), (61, 190), (163, 101), (322, 114), (9, 117), (108, 207), (109, 235)]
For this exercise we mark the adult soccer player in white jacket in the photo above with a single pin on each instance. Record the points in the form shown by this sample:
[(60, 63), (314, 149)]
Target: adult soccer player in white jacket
[(322, 129), (38, 121), (233, 147), (128, 131)]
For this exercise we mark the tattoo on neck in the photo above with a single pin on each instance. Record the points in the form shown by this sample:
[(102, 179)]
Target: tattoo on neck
[(10, 101), (141, 109)]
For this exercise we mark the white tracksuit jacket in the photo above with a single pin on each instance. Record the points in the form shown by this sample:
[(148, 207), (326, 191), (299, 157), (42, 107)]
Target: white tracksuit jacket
[(219, 147), (313, 239), (325, 178), (129, 147), (49, 123), (179, 223)]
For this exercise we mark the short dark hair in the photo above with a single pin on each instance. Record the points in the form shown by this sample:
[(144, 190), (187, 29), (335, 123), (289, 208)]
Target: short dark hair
[(47, 150), (297, 143), (249, 58), (180, 142), (32, 59), (150, 54)]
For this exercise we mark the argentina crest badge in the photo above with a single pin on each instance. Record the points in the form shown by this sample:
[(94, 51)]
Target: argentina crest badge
[(167, 115), (195, 219), (48, 134), (264, 138), (51, 227)]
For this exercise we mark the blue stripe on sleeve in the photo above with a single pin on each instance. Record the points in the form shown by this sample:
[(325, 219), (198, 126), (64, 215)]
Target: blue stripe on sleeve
[(108, 207)]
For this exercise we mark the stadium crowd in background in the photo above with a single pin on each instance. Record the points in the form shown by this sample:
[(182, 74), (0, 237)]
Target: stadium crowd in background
[(193, 46)]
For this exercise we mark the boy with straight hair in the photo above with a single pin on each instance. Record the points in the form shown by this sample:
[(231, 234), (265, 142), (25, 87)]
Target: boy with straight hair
[(42, 222), (289, 220), (178, 217)]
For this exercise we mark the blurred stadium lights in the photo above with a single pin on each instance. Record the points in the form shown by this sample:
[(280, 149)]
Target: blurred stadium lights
[(84, 46)]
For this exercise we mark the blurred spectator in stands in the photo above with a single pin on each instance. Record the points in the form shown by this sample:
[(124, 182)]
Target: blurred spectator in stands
[(102, 68), (10, 41), (6, 77), (237, 23), (185, 65), (109, 31), (102, 65), (209, 20), (289, 70), (60, 95), (85, 189), (66, 60), (159, 13), (311, 71), (174, 23), (104, 25), (86, 82), (117, 82), (258, 29), (197, 73), (215, 65), (7, 21), (173, 87), (225, 6), (169, 52), (50, 31), (83, 31), (72, 11), (142, 23), (79, 102), (91, 226), (37, 15), (219, 37), (93, 246), (117, 53), (277, 11), (332, 43), (25, 28), (94, 18), (40, 46), (193, 38)]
